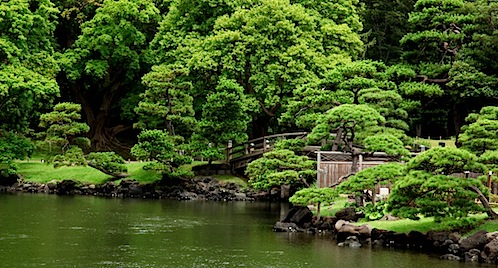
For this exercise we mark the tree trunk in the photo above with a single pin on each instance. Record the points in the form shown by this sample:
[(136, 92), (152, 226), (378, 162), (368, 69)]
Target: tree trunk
[(337, 140), (491, 213), (318, 205), (102, 135), (284, 191), (457, 121), (260, 126)]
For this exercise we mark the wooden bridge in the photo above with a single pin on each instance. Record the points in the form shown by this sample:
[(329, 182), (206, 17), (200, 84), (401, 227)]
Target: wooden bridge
[(240, 155)]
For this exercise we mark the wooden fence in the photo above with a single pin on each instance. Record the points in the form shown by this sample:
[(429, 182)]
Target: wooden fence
[(333, 165)]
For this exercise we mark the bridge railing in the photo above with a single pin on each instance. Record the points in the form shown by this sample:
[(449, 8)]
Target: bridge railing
[(258, 146)]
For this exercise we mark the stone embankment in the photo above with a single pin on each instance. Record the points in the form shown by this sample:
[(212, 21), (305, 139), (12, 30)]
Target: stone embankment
[(480, 247), (201, 188)]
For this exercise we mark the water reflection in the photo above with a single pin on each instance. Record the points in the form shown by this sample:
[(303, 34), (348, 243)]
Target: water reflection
[(54, 231)]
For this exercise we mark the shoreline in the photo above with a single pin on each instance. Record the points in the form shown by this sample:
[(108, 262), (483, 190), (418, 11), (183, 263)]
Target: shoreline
[(481, 247), (198, 188)]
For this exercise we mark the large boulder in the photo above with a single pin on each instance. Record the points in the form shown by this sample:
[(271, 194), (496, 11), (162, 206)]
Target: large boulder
[(298, 215), (417, 239), (347, 214), (389, 238), (477, 241), (490, 252), (346, 230), (297, 219), (65, 187), (286, 227)]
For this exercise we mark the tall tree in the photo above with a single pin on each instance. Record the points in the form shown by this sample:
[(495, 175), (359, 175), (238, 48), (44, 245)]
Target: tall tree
[(269, 47), (104, 66), (432, 187), (480, 134), (356, 82), (167, 101), (443, 44), (27, 65), (385, 22), (224, 120)]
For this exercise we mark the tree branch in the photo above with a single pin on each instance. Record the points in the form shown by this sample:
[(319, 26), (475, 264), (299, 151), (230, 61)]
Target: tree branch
[(114, 175), (491, 213), (426, 79), (342, 179)]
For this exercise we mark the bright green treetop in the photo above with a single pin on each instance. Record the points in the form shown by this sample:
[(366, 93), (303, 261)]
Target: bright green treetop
[(346, 121), (280, 167), (160, 148), (481, 132), (369, 178), (103, 67), (62, 126), (430, 187), (313, 195), (167, 101), (27, 65)]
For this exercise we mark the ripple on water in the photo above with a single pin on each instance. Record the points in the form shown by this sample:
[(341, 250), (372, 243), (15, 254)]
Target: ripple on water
[(158, 225), (14, 237)]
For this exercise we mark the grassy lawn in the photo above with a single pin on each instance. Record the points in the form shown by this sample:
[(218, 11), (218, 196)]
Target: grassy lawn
[(36, 171), (41, 172), (406, 225), (425, 224), (231, 178), (339, 204), (435, 142)]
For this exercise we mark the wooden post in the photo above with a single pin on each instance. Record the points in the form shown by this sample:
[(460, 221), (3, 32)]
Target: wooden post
[(374, 194), (229, 151), (264, 144), (318, 160), (360, 162), (489, 184)]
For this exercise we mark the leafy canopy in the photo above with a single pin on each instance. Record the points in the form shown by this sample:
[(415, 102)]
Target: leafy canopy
[(481, 132), (281, 167), (160, 148), (431, 186), (62, 126)]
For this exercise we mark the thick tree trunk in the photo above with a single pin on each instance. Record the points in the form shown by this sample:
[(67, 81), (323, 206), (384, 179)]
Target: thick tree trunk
[(260, 126), (98, 116)]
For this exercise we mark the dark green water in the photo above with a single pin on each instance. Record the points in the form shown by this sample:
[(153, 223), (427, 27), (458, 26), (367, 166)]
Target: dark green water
[(54, 231)]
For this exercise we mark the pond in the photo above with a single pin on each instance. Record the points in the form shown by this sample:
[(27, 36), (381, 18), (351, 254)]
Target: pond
[(84, 231)]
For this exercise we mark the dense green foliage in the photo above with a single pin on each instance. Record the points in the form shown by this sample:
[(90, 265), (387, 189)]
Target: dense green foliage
[(168, 81), (312, 196), (159, 147), (61, 126), (432, 187), (280, 167), (480, 135), (369, 178)]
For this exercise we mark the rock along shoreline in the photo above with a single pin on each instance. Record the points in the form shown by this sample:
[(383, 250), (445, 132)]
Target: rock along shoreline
[(199, 188), (480, 247)]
